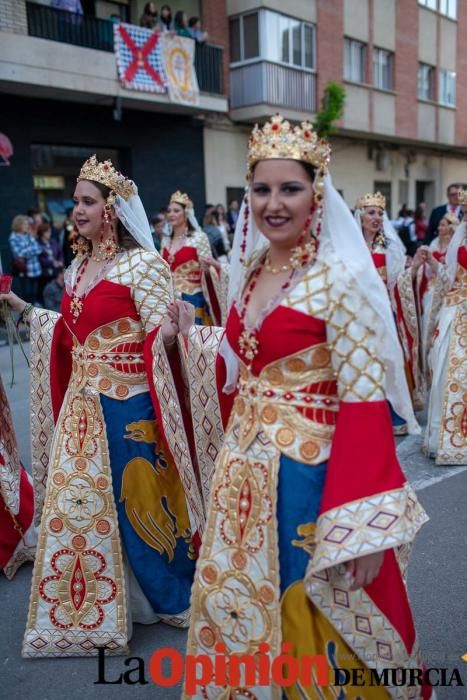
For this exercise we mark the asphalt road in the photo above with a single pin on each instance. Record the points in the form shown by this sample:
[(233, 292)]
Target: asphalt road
[(437, 583)]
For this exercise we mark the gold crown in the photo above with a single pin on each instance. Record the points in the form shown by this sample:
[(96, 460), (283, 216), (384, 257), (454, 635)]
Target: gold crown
[(452, 218), (181, 198), (371, 200), (278, 139), (462, 197), (106, 174)]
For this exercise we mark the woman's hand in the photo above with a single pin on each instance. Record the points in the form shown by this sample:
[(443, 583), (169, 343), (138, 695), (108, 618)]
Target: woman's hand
[(169, 327), (207, 262), (363, 569), (418, 260), (186, 317), (14, 301)]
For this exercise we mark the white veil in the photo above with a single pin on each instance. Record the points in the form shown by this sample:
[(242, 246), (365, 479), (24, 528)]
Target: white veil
[(395, 253), (340, 238), (132, 215), (451, 254)]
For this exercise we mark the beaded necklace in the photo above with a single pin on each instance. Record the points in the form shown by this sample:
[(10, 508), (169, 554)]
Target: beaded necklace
[(76, 304), (248, 342)]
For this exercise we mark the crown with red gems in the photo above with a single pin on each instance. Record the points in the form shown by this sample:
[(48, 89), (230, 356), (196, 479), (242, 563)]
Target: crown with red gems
[(371, 200), (181, 198), (278, 139), (105, 173)]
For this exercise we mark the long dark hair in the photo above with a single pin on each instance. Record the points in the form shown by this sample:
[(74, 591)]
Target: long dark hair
[(189, 225), (124, 238)]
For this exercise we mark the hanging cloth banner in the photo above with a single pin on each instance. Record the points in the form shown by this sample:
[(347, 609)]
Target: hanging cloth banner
[(179, 56), (139, 58)]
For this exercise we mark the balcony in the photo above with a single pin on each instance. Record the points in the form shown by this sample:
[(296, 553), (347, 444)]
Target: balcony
[(255, 87), (92, 33)]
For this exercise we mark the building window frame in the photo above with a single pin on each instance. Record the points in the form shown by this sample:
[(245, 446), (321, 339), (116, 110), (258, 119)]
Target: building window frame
[(429, 4), (426, 82), (448, 8), (383, 58), (263, 39), (355, 69), (447, 88)]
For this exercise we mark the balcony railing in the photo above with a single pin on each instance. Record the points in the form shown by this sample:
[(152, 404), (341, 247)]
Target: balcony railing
[(93, 33), (272, 84)]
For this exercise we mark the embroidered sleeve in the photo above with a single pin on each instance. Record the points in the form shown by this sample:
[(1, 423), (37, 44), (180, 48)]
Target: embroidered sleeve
[(351, 327), (150, 288), (202, 245)]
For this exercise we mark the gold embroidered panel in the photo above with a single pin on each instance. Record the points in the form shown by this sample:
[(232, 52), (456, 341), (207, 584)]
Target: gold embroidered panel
[(10, 470), (187, 278), (111, 360), (42, 324), (272, 401), (205, 411)]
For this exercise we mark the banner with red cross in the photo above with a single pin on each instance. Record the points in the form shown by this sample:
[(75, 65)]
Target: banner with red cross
[(139, 58)]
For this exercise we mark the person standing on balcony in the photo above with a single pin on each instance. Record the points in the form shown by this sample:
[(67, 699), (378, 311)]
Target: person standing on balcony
[(68, 5), (194, 27), (150, 18), (181, 25), (165, 18)]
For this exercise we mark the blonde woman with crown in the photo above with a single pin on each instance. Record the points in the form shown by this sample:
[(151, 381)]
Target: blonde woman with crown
[(446, 430), (197, 277), (389, 258), (424, 266), (115, 493), (309, 512)]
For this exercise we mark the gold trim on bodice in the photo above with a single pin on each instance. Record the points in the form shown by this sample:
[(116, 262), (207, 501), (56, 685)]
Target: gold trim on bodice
[(458, 292), (273, 402), (111, 360), (187, 278)]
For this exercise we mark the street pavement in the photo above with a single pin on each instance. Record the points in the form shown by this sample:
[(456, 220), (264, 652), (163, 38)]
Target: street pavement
[(437, 582)]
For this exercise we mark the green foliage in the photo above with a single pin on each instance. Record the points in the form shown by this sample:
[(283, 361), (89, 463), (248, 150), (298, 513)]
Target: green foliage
[(332, 109)]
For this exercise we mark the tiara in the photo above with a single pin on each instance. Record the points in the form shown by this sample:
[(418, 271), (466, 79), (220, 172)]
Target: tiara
[(106, 174), (371, 200), (278, 139), (181, 198), (462, 197), (452, 218)]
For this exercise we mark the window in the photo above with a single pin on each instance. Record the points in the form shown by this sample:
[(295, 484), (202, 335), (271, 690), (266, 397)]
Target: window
[(287, 40), (448, 8), (425, 81), (431, 4), (382, 69), (447, 88), (244, 37), (354, 61)]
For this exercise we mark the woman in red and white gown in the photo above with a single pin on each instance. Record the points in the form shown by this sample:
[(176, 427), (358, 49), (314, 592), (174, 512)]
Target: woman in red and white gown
[(18, 535)]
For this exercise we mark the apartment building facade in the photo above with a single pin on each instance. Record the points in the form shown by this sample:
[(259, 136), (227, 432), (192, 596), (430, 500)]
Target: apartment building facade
[(402, 62)]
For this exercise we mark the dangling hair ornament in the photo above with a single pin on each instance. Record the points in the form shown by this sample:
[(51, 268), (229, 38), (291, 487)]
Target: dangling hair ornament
[(108, 247), (79, 245)]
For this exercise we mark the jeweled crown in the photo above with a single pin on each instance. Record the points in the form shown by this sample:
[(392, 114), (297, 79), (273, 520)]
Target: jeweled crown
[(181, 198), (452, 219), (462, 197), (105, 173), (371, 200), (278, 139)]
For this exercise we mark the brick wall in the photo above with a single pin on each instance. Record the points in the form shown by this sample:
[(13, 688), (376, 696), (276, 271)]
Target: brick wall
[(13, 16), (214, 20), (406, 68), (330, 43), (461, 69)]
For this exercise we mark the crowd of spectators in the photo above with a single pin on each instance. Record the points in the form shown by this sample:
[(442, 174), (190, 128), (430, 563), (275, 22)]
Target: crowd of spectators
[(39, 254), (179, 24)]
